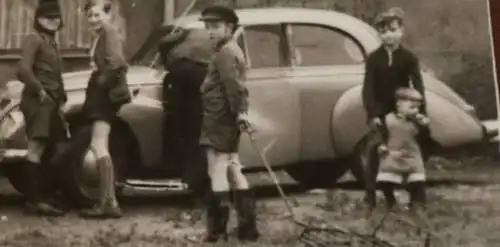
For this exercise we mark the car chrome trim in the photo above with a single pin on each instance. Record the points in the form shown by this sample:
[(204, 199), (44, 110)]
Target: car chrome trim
[(491, 129), (11, 155)]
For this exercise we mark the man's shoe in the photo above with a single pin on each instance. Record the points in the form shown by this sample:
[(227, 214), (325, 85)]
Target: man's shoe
[(43, 209)]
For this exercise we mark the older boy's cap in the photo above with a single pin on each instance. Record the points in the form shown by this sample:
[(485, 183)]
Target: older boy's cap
[(409, 93), (219, 13), (394, 13)]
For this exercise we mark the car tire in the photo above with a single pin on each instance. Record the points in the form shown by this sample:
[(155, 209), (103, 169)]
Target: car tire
[(84, 191), (318, 175), (365, 148), (16, 176)]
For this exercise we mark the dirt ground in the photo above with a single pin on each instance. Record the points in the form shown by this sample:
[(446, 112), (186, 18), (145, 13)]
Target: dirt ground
[(465, 214)]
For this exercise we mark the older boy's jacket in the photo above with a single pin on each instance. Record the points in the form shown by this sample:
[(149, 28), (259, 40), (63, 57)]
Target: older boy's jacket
[(224, 96), (194, 45), (383, 77)]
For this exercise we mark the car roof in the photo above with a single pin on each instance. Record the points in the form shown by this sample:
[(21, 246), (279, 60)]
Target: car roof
[(275, 15)]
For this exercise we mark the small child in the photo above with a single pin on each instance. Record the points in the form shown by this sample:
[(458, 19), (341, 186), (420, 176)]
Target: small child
[(401, 159)]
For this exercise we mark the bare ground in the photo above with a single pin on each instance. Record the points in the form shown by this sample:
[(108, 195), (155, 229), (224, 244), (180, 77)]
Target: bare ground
[(462, 215)]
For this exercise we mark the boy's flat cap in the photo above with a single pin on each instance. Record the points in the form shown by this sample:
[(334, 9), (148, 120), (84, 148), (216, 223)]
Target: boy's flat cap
[(394, 13), (219, 13)]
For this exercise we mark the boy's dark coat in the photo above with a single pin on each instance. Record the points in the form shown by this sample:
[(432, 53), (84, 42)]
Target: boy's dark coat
[(381, 80), (40, 68), (224, 97)]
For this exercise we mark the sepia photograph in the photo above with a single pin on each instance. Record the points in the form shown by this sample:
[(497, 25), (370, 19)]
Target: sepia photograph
[(248, 123)]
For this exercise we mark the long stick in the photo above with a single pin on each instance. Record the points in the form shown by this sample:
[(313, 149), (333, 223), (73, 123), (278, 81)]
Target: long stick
[(273, 176)]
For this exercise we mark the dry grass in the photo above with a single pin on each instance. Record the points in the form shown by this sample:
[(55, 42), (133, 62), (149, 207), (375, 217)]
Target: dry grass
[(460, 215)]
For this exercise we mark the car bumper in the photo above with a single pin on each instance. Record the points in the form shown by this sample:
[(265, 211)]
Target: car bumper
[(491, 130), (13, 155)]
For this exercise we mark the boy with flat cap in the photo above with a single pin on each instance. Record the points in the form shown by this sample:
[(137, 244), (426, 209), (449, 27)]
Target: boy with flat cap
[(225, 104), (388, 68)]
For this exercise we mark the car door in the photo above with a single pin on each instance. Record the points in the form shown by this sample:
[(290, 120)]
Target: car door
[(274, 103), (326, 62)]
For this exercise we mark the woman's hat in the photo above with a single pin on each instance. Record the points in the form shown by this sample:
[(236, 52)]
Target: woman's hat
[(48, 9), (219, 13)]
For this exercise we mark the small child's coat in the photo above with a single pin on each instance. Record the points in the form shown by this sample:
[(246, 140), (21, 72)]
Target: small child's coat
[(402, 158)]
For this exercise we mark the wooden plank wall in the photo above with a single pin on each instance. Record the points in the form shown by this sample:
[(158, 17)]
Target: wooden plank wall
[(16, 21)]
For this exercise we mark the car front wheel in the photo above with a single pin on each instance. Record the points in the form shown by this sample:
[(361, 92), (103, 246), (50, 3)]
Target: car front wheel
[(81, 180)]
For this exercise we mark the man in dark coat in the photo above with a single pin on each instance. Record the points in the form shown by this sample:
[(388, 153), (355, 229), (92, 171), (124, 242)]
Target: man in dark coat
[(185, 55), (225, 106), (40, 69)]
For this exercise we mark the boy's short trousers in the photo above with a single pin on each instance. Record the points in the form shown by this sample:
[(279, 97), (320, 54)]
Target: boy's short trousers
[(400, 178)]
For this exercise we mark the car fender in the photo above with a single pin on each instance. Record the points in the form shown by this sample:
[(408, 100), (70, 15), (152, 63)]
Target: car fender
[(450, 125), (144, 117)]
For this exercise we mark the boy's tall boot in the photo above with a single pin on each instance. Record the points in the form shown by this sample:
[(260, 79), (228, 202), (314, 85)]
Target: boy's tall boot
[(35, 204), (107, 206), (217, 216), (247, 219)]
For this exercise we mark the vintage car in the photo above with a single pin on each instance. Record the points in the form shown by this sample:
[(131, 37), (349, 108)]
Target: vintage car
[(305, 76)]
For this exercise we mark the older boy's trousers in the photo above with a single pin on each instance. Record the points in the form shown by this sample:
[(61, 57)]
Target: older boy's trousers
[(183, 114)]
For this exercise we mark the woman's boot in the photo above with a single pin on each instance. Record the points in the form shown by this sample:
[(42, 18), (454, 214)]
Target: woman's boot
[(247, 219), (217, 217)]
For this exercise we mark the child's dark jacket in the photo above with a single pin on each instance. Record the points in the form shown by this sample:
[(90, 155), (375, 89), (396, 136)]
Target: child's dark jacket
[(382, 80), (224, 97)]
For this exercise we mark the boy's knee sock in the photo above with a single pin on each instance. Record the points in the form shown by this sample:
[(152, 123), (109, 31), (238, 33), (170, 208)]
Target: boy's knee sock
[(236, 177)]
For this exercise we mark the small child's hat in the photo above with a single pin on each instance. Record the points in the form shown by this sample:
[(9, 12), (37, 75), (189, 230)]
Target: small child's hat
[(409, 94)]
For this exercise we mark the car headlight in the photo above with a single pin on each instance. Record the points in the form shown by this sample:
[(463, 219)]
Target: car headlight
[(10, 121), (14, 89), (470, 109)]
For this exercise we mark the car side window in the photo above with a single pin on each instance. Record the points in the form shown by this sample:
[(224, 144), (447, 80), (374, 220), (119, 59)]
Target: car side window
[(266, 47), (316, 45)]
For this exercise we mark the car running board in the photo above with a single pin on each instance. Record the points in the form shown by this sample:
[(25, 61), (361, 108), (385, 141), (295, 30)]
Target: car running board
[(156, 185)]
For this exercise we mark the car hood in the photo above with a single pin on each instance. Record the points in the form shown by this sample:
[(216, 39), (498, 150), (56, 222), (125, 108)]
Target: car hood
[(135, 75), (76, 81)]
